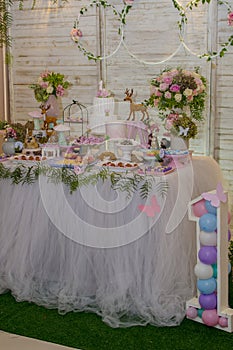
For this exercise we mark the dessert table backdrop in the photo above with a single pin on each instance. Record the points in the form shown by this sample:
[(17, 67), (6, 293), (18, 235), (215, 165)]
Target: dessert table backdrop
[(93, 250)]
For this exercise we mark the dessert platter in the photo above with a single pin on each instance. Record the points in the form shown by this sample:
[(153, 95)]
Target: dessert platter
[(26, 159), (119, 166), (157, 171)]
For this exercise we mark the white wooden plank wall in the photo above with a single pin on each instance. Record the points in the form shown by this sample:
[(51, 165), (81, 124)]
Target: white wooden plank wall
[(223, 152), (41, 41)]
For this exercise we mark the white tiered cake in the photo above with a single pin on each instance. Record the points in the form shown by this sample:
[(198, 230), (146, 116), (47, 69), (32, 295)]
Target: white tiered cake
[(103, 111)]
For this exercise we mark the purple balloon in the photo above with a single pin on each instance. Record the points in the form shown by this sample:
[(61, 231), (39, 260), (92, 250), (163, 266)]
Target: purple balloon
[(208, 255), (208, 301)]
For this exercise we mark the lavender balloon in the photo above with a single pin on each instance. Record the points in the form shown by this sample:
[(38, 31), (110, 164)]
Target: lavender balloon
[(208, 301), (208, 255)]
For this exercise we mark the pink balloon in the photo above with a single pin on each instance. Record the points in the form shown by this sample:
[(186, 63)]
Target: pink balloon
[(191, 312), (223, 322), (210, 317), (199, 208)]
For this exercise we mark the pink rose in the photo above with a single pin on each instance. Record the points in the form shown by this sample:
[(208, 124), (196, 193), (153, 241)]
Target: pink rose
[(163, 86), (167, 80), (175, 88), (158, 93), (190, 98), (168, 95), (45, 74), (60, 90), (153, 89), (230, 18), (44, 84)]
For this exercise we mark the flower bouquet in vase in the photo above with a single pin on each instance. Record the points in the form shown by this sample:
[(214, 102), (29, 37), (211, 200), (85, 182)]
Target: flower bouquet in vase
[(49, 87), (179, 95)]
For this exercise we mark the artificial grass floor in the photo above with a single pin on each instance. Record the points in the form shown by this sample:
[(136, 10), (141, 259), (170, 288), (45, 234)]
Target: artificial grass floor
[(87, 331)]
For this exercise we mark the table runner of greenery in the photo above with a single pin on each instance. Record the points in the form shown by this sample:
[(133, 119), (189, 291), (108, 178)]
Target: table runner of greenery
[(128, 182)]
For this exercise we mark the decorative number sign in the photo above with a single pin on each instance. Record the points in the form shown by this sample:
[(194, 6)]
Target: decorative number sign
[(210, 306)]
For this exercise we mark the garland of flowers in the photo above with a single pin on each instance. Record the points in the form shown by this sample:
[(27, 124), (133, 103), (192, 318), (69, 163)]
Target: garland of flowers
[(183, 20), (76, 32), (128, 182)]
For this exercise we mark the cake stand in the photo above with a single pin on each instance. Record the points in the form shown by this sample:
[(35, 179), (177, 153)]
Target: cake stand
[(127, 151)]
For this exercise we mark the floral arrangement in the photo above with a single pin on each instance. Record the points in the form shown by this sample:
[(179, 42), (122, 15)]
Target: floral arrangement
[(49, 83), (179, 95), (10, 133), (181, 125)]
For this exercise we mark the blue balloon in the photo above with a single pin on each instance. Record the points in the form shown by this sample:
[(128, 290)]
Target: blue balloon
[(208, 222), (207, 286), (210, 208)]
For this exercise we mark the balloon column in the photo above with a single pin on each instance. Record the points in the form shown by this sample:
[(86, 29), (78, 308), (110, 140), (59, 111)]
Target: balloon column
[(210, 306)]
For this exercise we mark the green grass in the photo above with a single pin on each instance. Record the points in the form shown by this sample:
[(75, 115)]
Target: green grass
[(87, 331)]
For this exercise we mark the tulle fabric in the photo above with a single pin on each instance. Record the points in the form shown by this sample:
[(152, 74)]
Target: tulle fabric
[(145, 281)]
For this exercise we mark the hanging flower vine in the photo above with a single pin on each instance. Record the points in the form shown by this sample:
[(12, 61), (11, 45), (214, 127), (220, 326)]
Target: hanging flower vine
[(183, 20), (76, 32)]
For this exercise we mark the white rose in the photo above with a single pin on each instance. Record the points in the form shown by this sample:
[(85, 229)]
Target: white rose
[(49, 89), (188, 92), (178, 97)]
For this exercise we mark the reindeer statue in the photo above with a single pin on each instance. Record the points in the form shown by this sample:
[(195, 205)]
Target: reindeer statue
[(135, 107), (44, 108)]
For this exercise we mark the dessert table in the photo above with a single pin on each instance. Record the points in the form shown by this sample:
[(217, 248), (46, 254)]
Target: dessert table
[(97, 250)]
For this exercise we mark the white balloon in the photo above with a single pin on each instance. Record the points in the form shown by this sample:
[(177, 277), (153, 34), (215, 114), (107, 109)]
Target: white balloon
[(203, 271), (208, 238)]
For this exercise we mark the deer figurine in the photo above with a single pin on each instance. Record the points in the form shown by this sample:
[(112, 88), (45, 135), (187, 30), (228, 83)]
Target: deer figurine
[(44, 108), (135, 107)]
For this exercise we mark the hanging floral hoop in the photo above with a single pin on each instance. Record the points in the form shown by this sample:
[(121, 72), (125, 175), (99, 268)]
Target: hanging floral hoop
[(76, 32), (183, 20)]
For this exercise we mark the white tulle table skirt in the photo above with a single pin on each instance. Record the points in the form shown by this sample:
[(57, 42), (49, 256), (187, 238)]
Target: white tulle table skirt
[(95, 251)]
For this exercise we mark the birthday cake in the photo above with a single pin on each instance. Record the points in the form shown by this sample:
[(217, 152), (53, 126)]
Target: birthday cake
[(103, 110)]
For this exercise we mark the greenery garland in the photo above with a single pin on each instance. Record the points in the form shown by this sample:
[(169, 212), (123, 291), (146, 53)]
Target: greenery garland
[(183, 20), (6, 21), (124, 182), (105, 4)]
